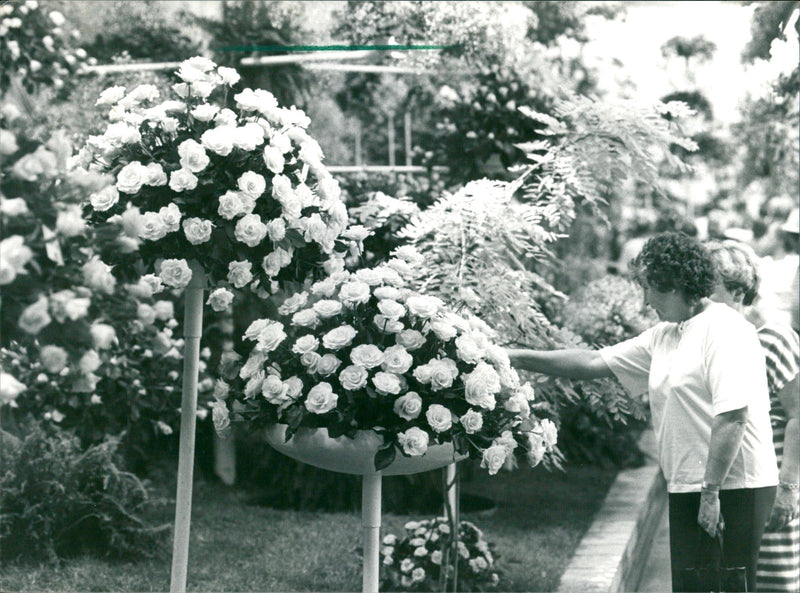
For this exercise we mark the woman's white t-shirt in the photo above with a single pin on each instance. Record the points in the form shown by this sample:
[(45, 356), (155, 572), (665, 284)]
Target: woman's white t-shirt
[(693, 371)]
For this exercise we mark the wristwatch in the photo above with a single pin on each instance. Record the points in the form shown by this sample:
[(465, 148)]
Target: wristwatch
[(710, 487)]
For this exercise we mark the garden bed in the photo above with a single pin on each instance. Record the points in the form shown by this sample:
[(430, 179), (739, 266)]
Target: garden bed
[(538, 522)]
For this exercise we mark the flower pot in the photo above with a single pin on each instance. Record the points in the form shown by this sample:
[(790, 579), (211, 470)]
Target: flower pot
[(353, 456)]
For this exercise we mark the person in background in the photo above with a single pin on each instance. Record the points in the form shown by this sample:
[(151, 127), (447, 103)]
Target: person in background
[(704, 372), (779, 557), (779, 276)]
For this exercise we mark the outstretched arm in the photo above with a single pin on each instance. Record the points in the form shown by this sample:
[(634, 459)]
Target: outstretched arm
[(573, 363)]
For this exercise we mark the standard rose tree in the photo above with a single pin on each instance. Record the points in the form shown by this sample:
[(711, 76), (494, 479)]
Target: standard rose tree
[(241, 191), (361, 352)]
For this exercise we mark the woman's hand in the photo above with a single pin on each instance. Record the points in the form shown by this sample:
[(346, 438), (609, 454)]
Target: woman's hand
[(784, 509), (709, 516)]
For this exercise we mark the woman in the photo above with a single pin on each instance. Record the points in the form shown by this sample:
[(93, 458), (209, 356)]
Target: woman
[(779, 558), (705, 375)]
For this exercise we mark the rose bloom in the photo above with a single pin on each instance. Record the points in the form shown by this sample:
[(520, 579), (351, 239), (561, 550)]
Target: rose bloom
[(193, 156), (239, 273), (443, 372), (273, 159), (327, 308), (103, 336), (481, 385), (274, 390), (104, 199), (339, 337), (276, 229), (414, 441), (228, 76), (408, 406), (171, 215), (269, 334), (353, 377), (250, 230), (410, 339), (439, 418), (165, 310), (472, 421), (219, 140), (156, 175), (550, 434), (424, 306), (321, 398), (10, 388), (54, 359), (253, 364), (182, 180), (220, 417), (248, 136), (293, 304), (175, 273), (274, 262), (305, 318), (69, 222), (152, 227), (303, 344), (131, 177), (478, 564), (436, 557), (493, 458), (204, 112), (97, 276), (220, 299), (368, 356), (254, 383), (13, 206), (507, 440), (387, 383), (536, 449), (387, 325), (518, 404), (310, 360), (387, 293), (90, 362), (252, 184), (146, 314), (197, 230), (231, 205), (443, 329), (468, 349), (354, 293), (391, 309), (396, 359), (370, 277), (324, 288), (328, 364)]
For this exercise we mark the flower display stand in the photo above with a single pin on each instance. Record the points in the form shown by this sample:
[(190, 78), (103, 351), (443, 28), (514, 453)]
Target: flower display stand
[(356, 456), (192, 332)]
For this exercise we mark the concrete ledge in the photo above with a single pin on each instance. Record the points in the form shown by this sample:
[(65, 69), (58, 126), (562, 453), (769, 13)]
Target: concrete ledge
[(613, 552)]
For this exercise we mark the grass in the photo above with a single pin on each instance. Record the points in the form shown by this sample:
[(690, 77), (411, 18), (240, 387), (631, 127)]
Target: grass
[(537, 523)]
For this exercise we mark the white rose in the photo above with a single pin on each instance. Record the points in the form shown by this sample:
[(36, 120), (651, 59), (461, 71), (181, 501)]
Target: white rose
[(248, 136), (293, 304), (197, 230), (274, 262), (90, 362), (386, 325), (252, 184), (386, 293), (131, 177), (518, 404), (329, 189), (104, 199), (274, 390), (165, 310), (239, 273), (444, 330), (226, 117), (221, 418), (13, 206), (414, 441), (353, 377), (443, 372), (57, 18), (69, 221), (77, 308), (269, 334), (368, 356), (219, 140), (145, 313), (250, 230), (303, 344), (468, 349), (53, 358), (424, 306), (327, 308), (481, 385), (103, 336), (156, 285), (97, 275), (408, 406), (228, 76), (10, 388), (536, 449), (204, 112), (339, 337), (175, 273), (387, 383), (253, 364), (472, 421), (276, 229), (439, 418), (354, 293), (410, 339), (294, 387), (171, 215), (391, 309), (328, 364), (111, 95), (310, 360), (274, 160), (182, 180), (396, 359), (193, 156), (220, 299), (321, 398), (305, 318), (231, 205), (549, 433), (493, 458), (152, 227)]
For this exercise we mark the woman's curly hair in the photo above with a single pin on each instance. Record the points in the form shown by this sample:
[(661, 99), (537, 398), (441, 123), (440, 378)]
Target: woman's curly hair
[(674, 261)]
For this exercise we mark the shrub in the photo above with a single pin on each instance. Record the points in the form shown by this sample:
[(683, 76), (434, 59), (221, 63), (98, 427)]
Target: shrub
[(59, 500)]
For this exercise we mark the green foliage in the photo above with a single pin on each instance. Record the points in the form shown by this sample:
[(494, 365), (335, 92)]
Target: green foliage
[(141, 31), (60, 500), (770, 20), (250, 23)]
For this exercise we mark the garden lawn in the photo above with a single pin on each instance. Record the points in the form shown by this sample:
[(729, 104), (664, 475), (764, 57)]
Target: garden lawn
[(538, 522)]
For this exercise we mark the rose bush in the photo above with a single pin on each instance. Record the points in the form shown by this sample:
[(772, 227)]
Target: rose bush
[(240, 190), (361, 351), (428, 554)]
